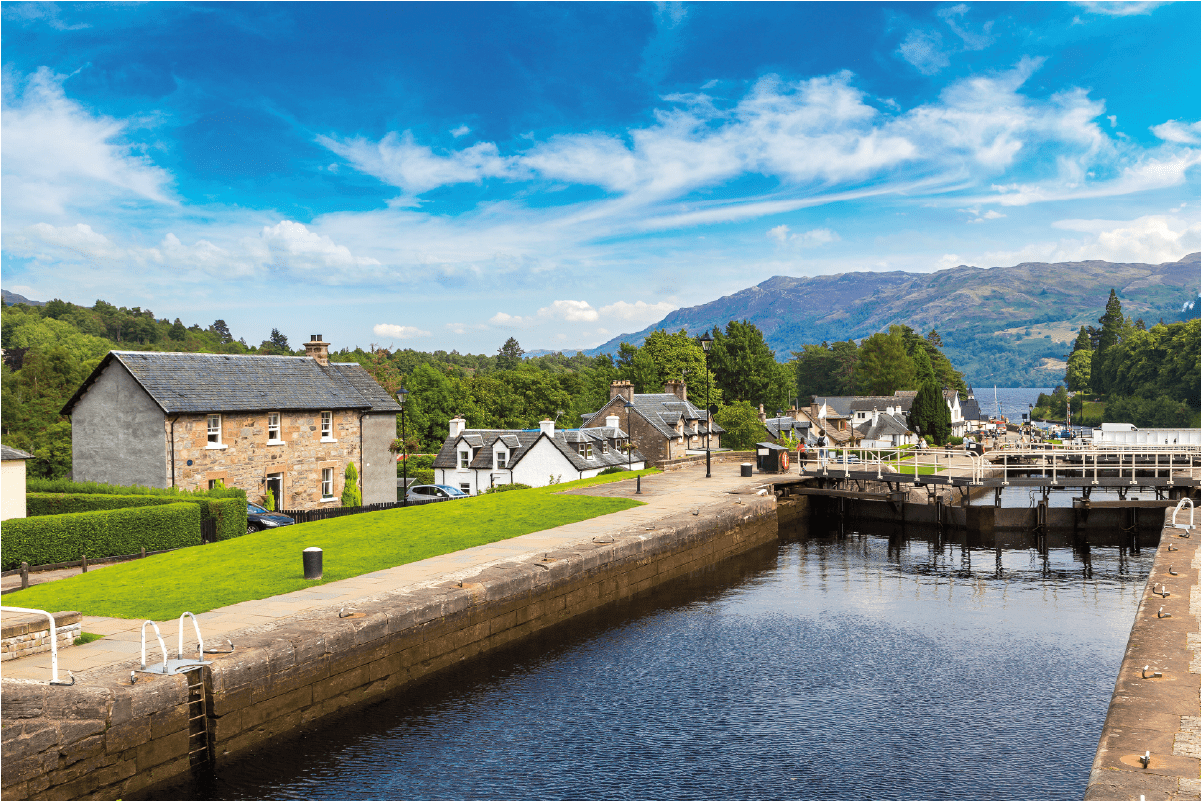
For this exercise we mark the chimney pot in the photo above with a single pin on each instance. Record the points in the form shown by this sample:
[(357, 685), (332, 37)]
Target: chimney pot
[(622, 388), (317, 349), (612, 421), (547, 427)]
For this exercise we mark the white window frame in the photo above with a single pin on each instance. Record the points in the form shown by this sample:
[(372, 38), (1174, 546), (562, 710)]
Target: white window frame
[(500, 458), (465, 487), (464, 460), (274, 431), (214, 444), (327, 483), (327, 427)]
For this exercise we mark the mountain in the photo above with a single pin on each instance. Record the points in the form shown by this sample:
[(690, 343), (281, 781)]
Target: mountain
[(12, 299), (1010, 326)]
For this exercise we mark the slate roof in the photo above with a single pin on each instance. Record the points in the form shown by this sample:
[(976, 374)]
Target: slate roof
[(12, 454), (566, 440), (886, 427), (971, 410), (216, 382), (866, 403), (839, 404), (775, 425), (663, 410)]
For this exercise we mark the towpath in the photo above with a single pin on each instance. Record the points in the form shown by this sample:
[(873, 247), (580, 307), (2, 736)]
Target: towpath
[(664, 495)]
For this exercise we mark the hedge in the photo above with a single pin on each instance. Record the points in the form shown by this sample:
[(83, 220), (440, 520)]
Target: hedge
[(59, 496), (118, 532)]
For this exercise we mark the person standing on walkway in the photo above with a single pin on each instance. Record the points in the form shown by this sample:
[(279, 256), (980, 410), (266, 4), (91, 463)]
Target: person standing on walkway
[(822, 442)]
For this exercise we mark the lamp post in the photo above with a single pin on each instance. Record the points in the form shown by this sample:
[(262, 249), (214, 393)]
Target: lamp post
[(630, 446), (706, 343), (404, 446)]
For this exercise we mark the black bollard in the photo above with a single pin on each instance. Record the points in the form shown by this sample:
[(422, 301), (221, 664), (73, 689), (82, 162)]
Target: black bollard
[(639, 490), (312, 563)]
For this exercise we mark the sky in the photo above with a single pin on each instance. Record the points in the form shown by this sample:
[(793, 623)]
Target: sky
[(448, 175)]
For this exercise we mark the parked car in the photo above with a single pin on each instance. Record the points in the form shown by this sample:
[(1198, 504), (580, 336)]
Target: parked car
[(427, 491), (850, 458), (258, 518)]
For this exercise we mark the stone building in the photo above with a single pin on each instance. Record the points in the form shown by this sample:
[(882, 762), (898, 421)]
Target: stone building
[(475, 459), (663, 425), (285, 423)]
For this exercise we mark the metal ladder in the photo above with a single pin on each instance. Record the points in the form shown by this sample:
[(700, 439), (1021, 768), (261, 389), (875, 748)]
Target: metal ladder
[(199, 753)]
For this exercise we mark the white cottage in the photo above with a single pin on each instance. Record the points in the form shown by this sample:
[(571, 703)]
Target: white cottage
[(474, 459)]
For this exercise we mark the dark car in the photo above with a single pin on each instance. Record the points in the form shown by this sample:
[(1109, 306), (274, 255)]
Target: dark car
[(258, 518), (427, 491)]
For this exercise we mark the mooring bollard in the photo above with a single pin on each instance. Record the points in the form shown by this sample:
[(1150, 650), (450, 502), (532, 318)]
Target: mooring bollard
[(312, 563), (24, 575)]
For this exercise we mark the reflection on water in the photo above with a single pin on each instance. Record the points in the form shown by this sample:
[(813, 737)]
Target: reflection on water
[(821, 669)]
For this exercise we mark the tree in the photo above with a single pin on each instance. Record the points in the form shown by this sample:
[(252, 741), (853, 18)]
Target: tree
[(222, 331), (644, 373), (923, 370), (934, 339), (279, 340), (1080, 367), (1112, 324), (677, 357), (884, 365), (178, 332), (929, 413), (351, 494), (742, 427), (509, 355), (743, 365)]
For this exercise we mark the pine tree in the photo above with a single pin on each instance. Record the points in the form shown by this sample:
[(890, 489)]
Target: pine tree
[(509, 355), (351, 494), (929, 413)]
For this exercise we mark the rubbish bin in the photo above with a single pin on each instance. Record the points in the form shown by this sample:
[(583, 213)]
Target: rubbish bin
[(748, 469)]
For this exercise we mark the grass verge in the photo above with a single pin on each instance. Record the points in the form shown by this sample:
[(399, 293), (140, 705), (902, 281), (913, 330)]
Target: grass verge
[(87, 637), (268, 562)]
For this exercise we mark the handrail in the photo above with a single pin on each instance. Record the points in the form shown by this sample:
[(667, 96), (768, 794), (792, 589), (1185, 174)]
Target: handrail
[(1191, 511), (199, 641), (161, 645), (53, 642)]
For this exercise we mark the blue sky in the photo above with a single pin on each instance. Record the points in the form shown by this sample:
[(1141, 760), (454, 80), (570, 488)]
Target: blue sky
[(447, 175)]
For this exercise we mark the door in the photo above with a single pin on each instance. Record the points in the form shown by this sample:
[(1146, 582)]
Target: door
[(275, 485)]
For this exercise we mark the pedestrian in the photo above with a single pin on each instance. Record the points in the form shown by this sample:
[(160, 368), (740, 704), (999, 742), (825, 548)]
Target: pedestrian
[(822, 442)]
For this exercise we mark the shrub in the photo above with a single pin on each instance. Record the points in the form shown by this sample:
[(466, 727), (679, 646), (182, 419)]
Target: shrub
[(608, 471), (230, 513), (954, 440), (421, 476), (507, 487), (116, 532), (63, 485), (351, 495)]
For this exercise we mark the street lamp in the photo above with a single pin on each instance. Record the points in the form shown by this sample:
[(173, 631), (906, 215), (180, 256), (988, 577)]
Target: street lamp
[(706, 343), (404, 446)]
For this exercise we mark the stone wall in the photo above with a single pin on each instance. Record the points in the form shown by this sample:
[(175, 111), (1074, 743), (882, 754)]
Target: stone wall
[(113, 740), (247, 457), (26, 635)]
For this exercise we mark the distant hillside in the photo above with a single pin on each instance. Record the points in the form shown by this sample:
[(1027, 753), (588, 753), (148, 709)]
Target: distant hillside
[(12, 299), (1010, 326)]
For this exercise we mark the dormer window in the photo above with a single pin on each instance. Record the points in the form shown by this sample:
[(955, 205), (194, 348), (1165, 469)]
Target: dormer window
[(585, 449), (502, 458), (464, 459)]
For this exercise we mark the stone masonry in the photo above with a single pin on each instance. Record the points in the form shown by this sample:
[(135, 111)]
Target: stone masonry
[(25, 635), (247, 457)]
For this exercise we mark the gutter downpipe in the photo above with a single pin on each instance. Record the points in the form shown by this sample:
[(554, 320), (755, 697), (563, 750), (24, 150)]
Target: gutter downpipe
[(173, 419)]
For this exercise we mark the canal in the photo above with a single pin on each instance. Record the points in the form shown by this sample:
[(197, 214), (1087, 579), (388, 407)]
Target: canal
[(824, 668)]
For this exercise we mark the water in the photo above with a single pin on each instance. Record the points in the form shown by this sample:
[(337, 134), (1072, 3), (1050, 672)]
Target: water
[(819, 669), (1015, 401)]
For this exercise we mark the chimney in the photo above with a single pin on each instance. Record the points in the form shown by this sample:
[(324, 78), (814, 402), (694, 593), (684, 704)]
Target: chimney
[(762, 415), (623, 388), (456, 427), (875, 416), (677, 388), (317, 349), (547, 427), (612, 422)]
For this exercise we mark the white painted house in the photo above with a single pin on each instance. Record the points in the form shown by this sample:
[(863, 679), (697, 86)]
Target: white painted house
[(12, 483), (1125, 434), (475, 459)]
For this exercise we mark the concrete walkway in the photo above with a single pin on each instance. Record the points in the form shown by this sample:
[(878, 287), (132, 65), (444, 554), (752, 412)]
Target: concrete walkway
[(664, 495)]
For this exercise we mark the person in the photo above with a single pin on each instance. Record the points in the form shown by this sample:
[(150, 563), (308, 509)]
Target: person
[(822, 442), (800, 453)]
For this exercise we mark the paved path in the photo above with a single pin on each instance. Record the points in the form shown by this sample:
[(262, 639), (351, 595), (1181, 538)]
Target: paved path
[(664, 495), (13, 583)]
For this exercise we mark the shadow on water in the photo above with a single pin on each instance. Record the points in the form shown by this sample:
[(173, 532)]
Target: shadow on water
[(875, 665)]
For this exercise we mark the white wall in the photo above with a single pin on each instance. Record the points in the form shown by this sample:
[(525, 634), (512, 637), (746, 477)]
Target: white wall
[(12, 488), (1148, 436), (542, 462)]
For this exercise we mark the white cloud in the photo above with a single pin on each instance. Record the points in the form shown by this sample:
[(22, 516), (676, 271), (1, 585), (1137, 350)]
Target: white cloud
[(923, 49), (399, 331), (1118, 8), (58, 156), (509, 321), (462, 130), (1181, 132), (572, 311), (637, 312), (292, 245), (971, 39), (1152, 239), (400, 161), (818, 236)]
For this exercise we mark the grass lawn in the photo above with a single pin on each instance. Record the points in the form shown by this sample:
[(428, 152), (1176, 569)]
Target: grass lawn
[(926, 469), (268, 562)]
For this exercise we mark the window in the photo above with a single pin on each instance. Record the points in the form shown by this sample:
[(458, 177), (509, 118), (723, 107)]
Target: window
[(604, 446), (464, 459), (465, 488), (327, 483), (585, 449), (213, 483), (502, 459), (214, 429), (327, 425), (273, 427)]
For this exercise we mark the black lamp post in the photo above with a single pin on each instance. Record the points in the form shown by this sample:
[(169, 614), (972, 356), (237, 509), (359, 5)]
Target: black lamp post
[(404, 446), (630, 445), (706, 343)]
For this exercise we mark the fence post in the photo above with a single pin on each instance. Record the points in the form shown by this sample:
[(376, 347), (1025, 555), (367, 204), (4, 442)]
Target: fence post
[(24, 575)]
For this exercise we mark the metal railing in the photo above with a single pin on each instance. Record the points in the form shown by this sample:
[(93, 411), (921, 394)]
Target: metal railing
[(888, 461), (1191, 511), (53, 642)]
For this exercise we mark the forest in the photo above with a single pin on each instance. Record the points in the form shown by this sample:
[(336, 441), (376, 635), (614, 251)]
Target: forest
[(50, 349), (1121, 371)]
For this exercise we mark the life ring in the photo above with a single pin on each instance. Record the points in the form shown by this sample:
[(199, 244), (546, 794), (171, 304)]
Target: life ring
[(783, 460)]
